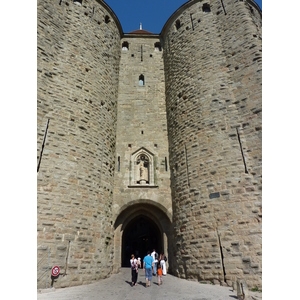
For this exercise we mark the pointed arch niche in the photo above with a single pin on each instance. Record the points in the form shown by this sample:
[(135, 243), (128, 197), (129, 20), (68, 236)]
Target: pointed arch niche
[(142, 169)]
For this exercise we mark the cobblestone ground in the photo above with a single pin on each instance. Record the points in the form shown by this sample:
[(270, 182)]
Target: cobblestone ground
[(118, 287)]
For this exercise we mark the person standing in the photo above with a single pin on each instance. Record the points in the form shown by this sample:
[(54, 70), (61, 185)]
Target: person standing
[(163, 263), (159, 274), (134, 270), (147, 267), (155, 257)]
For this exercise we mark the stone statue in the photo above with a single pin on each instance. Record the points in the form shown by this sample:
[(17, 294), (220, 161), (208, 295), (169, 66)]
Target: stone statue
[(143, 172)]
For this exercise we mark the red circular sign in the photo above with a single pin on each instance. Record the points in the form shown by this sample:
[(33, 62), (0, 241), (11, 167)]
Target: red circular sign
[(55, 271)]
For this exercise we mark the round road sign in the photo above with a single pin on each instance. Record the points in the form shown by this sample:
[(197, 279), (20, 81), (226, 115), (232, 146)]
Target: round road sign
[(55, 271)]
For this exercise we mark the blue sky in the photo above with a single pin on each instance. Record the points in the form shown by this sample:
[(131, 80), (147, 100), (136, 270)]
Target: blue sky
[(153, 14)]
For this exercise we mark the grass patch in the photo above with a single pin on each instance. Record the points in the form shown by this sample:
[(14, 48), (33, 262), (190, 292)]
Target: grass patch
[(255, 289)]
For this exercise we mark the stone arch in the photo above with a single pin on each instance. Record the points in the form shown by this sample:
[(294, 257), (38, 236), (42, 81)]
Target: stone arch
[(135, 222)]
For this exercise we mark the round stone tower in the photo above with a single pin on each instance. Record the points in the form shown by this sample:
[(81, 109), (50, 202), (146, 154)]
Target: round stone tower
[(212, 61), (78, 71)]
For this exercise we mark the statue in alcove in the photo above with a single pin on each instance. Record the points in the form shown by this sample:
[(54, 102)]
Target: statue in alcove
[(143, 170)]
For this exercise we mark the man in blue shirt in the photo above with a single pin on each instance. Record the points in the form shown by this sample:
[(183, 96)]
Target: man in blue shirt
[(147, 267)]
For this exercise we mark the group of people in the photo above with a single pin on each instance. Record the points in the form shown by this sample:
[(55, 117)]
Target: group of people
[(152, 264), (159, 260)]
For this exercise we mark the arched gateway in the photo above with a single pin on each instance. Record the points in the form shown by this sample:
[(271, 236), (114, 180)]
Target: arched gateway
[(140, 227)]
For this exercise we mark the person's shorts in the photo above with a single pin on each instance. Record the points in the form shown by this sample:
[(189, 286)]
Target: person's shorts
[(148, 273)]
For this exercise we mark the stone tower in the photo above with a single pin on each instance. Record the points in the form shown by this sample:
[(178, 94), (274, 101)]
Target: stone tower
[(150, 141)]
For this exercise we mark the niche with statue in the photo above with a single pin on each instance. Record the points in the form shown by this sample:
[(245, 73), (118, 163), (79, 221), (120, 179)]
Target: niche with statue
[(142, 168)]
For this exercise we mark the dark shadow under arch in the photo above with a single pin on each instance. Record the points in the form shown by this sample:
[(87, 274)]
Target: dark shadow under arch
[(136, 205), (141, 225), (140, 235)]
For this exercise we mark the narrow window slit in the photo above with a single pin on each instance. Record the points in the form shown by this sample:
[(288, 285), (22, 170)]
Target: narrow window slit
[(206, 7), (246, 171), (192, 21), (118, 163), (223, 7), (40, 159), (166, 164), (222, 257), (141, 80), (157, 46), (125, 46), (187, 166), (251, 9), (107, 20)]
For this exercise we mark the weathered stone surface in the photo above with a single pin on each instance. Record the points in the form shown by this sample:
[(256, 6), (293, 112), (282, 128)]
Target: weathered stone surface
[(78, 62), (213, 97)]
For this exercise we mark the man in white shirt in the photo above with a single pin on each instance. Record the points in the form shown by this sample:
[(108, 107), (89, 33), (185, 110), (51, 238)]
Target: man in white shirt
[(155, 259)]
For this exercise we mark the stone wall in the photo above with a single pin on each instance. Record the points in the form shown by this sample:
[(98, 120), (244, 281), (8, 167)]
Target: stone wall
[(142, 128), (142, 123), (78, 65), (213, 97)]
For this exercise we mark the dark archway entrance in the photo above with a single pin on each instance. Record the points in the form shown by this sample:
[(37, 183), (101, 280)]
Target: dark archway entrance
[(139, 236)]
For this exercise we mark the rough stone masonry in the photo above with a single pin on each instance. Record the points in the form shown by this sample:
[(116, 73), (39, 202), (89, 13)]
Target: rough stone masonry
[(149, 140)]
